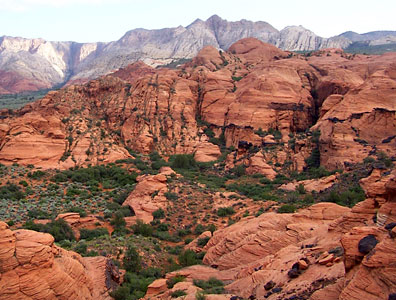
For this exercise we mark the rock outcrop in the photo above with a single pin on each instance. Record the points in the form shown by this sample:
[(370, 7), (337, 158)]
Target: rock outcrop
[(33, 267), (253, 96), (322, 252), (148, 196), (317, 185), (76, 222)]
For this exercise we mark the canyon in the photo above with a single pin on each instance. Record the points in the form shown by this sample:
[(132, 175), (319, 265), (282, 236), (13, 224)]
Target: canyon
[(276, 168)]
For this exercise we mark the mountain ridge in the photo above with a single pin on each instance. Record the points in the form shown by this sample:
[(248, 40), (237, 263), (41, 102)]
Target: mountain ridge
[(34, 64)]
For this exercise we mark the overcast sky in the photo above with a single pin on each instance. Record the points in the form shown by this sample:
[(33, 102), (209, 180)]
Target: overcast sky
[(108, 20)]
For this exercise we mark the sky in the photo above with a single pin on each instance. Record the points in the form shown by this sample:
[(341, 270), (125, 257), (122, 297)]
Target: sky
[(108, 20)]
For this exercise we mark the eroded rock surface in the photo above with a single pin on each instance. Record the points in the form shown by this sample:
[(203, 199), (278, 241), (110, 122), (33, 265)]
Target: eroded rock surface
[(244, 95), (33, 267)]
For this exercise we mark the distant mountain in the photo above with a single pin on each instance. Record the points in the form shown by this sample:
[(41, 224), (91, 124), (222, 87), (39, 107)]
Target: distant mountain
[(34, 64)]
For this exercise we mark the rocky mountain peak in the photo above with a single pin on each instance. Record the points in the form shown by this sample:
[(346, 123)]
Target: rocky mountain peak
[(46, 64)]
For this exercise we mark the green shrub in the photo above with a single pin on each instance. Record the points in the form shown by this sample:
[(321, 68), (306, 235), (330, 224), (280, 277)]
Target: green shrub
[(301, 189), (203, 241), (90, 234), (276, 133), (125, 211), (175, 250), (151, 272), (188, 241), (135, 285), (348, 198), (11, 191), (159, 214), (36, 175), (183, 232), (236, 78), (254, 191), (200, 296), (383, 157), (170, 283), (211, 227), (81, 248), (171, 196), (188, 258), (132, 260), (211, 286), (122, 293), (286, 208), (225, 211), (109, 174), (121, 197), (239, 170), (178, 293), (166, 236), (23, 183), (118, 221), (59, 229), (313, 161), (183, 161), (199, 229), (142, 229), (163, 227), (37, 213)]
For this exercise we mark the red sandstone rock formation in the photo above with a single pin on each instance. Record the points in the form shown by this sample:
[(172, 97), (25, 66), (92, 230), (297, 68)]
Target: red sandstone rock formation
[(235, 93), (33, 267), (148, 196), (76, 222), (315, 253), (317, 185)]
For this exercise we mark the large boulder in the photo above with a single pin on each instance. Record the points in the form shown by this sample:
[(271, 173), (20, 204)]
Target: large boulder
[(33, 267)]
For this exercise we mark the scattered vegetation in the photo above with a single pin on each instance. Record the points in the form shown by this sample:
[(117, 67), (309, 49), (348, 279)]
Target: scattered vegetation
[(211, 286)]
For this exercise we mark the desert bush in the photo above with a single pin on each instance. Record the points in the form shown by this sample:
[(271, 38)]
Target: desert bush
[(36, 174), (348, 198), (203, 241), (170, 283), (199, 229), (81, 248), (37, 213), (159, 214), (111, 175), (59, 229), (11, 191), (90, 234), (178, 293), (166, 236), (118, 221), (286, 208), (171, 196), (211, 286), (188, 258), (142, 229), (183, 161), (225, 211), (135, 285), (132, 259)]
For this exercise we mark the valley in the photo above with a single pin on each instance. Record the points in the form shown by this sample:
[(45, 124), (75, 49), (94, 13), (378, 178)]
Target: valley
[(251, 173)]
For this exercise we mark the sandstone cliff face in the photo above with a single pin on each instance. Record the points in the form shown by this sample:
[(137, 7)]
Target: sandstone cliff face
[(253, 88), (33, 64), (362, 118), (323, 252), (33, 267)]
